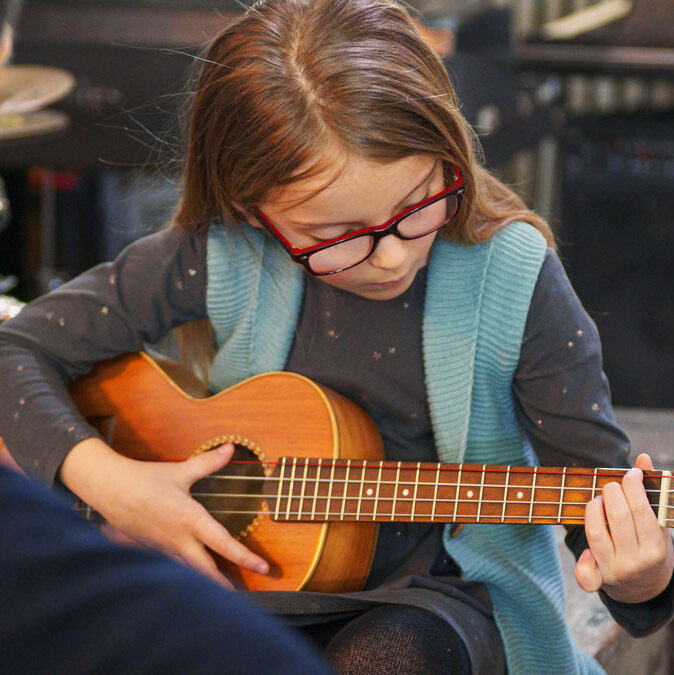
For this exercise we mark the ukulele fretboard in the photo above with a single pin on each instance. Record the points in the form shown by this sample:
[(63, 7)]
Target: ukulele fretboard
[(304, 489)]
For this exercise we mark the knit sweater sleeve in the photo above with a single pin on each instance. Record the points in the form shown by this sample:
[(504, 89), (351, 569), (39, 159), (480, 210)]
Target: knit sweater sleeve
[(564, 403), (155, 284)]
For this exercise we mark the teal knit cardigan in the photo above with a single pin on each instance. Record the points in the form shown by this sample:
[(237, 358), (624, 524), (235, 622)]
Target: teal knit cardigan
[(477, 301)]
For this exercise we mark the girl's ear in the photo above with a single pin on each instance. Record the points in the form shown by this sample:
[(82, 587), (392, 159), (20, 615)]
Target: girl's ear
[(250, 218)]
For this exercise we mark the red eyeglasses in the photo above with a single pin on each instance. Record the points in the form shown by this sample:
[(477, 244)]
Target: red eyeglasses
[(349, 250)]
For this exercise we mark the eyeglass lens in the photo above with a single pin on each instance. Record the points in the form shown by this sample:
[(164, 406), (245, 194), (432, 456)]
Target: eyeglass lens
[(353, 251)]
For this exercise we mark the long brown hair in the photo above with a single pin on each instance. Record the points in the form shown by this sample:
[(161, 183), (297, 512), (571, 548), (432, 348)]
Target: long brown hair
[(293, 77)]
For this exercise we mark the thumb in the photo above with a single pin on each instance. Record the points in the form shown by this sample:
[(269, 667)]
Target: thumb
[(587, 573), (644, 462), (206, 463)]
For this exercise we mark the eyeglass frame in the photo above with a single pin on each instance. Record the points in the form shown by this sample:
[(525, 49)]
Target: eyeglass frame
[(377, 232)]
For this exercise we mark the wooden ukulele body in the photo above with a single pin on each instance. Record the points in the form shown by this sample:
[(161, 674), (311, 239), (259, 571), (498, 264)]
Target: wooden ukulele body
[(143, 414)]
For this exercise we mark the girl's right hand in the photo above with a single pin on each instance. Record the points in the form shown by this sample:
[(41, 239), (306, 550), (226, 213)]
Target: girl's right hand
[(150, 503)]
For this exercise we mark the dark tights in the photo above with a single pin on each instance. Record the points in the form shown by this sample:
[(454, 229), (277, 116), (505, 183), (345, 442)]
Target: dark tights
[(392, 639)]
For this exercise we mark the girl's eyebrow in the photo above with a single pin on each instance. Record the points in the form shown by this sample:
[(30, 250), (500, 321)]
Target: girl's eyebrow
[(398, 205)]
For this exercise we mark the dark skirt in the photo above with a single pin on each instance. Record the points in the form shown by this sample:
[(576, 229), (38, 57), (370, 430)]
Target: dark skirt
[(464, 605)]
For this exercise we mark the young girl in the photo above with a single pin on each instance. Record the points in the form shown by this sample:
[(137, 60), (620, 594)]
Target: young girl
[(336, 223)]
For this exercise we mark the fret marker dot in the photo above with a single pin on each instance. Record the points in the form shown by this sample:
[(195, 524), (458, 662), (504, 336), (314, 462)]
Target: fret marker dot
[(368, 492), (469, 494), (520, 495), (405, 492)]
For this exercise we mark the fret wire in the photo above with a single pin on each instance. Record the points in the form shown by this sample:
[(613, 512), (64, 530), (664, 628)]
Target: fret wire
[(318, 481), (376, 496), (458, 489), (360, 492), (395, 491), (561, 495), (594, 484), (346, 486), (664, 498), (435, 491), (531, 494), (505, 495), (479, 499), (331, 483), (416, 488), (290, 489), (280, 486), (304, 484)]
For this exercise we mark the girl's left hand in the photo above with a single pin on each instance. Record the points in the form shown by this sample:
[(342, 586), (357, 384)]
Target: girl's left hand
[(632, 562)]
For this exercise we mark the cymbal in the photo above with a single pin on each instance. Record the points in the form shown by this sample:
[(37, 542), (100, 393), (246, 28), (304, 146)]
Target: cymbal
[(24, 89), (9, 307), (32, 124)]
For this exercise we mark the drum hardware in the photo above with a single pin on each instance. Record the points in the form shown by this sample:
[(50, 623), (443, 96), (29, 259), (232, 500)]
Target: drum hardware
[(24, 91), (612, 36), (9, 307), (8, 29)]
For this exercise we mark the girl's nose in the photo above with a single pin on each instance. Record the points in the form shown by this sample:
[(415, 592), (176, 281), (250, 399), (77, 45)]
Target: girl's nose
[(390, 252)]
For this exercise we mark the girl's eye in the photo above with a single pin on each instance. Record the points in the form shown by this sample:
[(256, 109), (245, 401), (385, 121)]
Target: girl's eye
[(323, 240), (332, 237), (320, 240)]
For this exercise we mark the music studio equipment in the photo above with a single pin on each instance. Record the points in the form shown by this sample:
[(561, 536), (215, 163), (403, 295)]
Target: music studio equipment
[(25, 90), (133, 63), (616, 201), (510, 110), (120, 116), (635, 38), (617, 243)]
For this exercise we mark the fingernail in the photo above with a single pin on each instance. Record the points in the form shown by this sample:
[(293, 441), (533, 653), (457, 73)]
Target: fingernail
[(262, 568), (224, 448), (585, 554), (637, 473)]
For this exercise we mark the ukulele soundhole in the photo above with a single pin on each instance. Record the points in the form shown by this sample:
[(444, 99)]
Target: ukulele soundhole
[(234, 494)]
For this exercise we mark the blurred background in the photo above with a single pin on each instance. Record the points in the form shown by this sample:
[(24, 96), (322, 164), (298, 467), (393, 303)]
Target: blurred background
[(573, 102)]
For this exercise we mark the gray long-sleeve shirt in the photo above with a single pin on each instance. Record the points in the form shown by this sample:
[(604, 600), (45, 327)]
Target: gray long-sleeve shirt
[(160, 281)]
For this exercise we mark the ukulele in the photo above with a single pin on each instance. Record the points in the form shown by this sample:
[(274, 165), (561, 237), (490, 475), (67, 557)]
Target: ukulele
[(307, 485)]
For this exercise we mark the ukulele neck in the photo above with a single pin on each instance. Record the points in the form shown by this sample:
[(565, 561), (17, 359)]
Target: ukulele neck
[(310, 489)]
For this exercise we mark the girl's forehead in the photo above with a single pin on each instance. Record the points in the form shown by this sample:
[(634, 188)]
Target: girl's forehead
[(350, 178)]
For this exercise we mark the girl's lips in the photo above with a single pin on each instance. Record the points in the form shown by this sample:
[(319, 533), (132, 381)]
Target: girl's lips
[(389, 284)]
